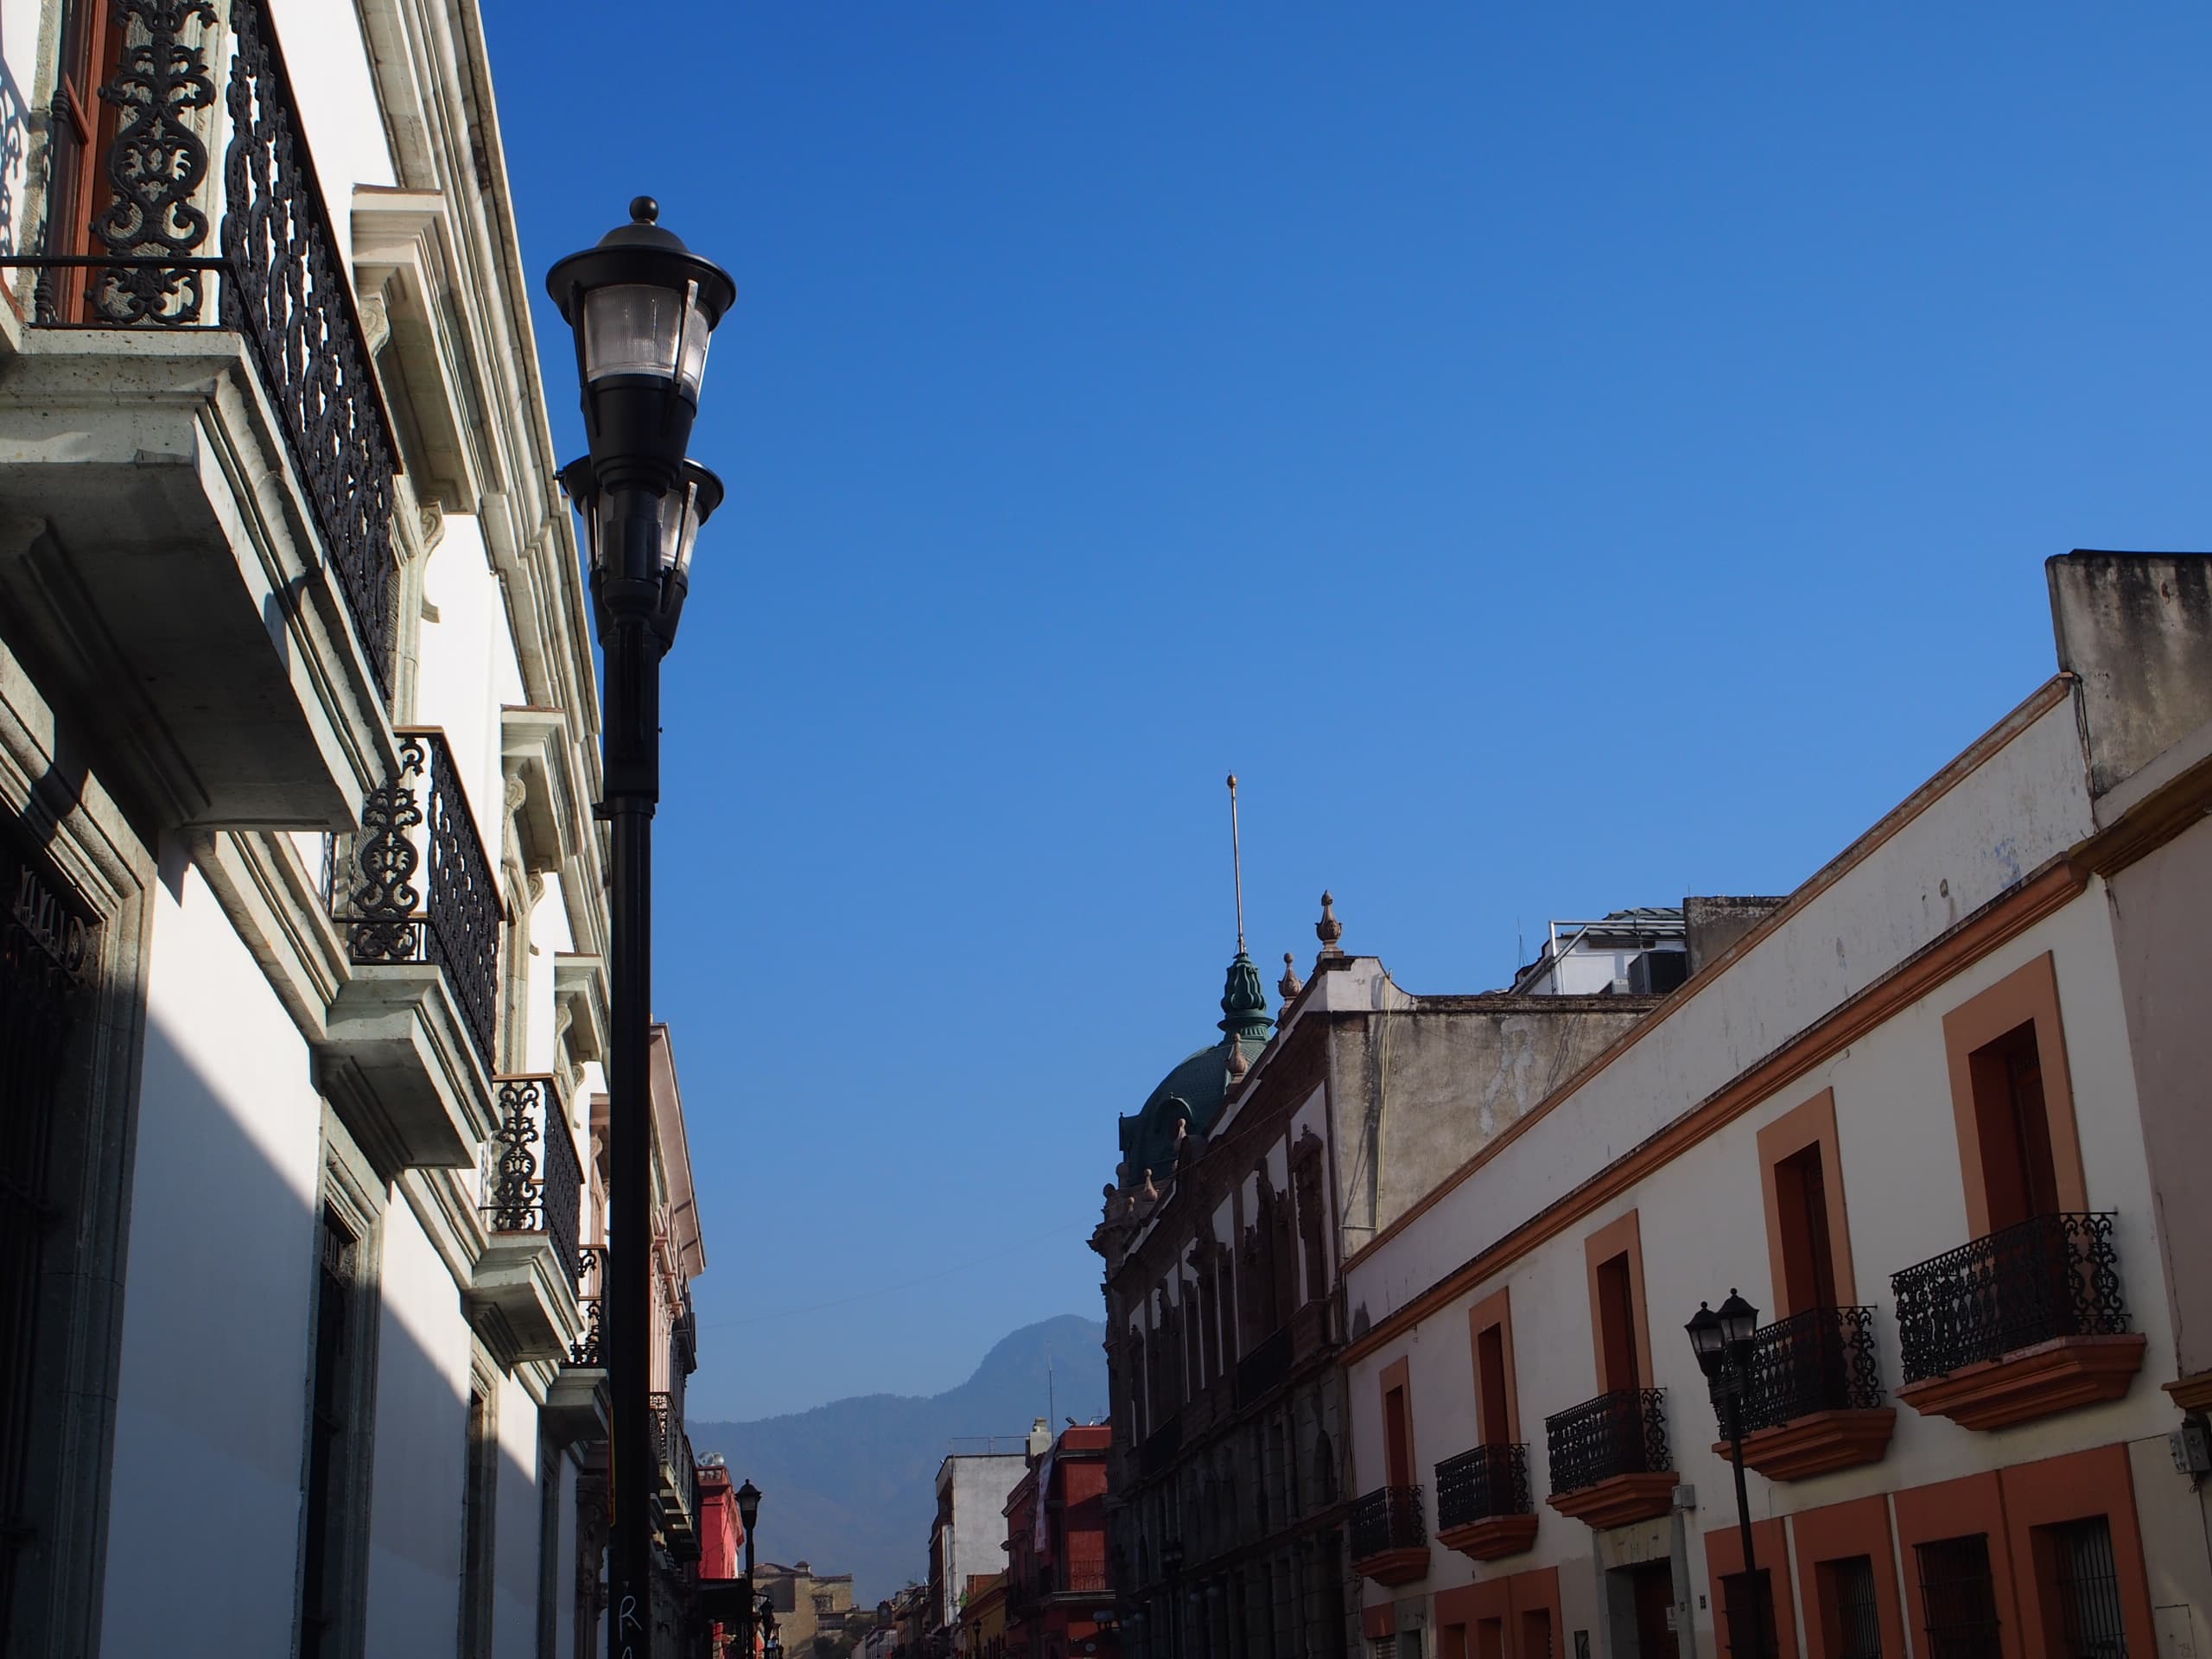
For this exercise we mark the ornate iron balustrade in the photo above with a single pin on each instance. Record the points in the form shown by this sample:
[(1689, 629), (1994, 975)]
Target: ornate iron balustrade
[(679, 1468), (2051, 1276), (589, 1349), (1821, 1360), (456, 926), (521, 1199), (1085, 1578), (1623, 1433), (275, 264), (1264, 1367), (1478, 1485), (1387, 1518)]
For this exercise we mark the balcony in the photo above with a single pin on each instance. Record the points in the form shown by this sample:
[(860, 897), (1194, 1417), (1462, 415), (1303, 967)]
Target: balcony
[(677, 1491), (198, 467), (1815, 1401), (528, 1279), (410, 1031), (1263, 1369), (1389, 1536), (1483, 1509), (2026, 1323), (1610, 1460)]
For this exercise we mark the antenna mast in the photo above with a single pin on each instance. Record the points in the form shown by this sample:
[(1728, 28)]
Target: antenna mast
[(1236, 859)]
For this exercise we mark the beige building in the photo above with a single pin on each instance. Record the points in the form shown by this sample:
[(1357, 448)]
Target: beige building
[(1940, 1114), (807, 1604)]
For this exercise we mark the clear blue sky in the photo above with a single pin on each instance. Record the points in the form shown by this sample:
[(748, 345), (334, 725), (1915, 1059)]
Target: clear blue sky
[(1560, 457)]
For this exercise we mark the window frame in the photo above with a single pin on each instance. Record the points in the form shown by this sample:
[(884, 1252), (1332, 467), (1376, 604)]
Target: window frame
[(2027, 995)]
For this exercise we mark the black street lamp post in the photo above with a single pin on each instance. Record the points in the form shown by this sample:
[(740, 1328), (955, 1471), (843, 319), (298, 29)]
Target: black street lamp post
[(1724, 1345), (642, 306), (748, 1514), (1171, 1561)]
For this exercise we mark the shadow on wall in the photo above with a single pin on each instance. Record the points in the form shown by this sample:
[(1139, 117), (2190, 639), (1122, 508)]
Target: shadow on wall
[(14, 142), (213, 1398)]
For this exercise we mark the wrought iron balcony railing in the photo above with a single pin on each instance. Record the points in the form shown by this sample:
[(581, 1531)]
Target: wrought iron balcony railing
[(1264, 1367), (1482, 1485), (1387, 1518), (591, 1287), (162, 235), (455, 925), (533, 1182), (1623, 1433), (679, 1469), (1821, 1360), (2048, 1277)]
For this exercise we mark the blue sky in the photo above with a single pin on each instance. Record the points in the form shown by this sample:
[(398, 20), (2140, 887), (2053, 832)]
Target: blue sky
[(1561, 457)]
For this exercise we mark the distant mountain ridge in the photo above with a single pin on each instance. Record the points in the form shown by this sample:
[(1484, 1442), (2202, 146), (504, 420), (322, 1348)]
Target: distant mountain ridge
[(850, 1487)]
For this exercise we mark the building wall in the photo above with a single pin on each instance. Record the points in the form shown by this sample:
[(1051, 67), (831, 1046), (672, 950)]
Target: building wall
[(212, 1397)]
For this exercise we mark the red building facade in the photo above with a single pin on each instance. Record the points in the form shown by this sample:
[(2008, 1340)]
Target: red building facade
[(1060, 1596)]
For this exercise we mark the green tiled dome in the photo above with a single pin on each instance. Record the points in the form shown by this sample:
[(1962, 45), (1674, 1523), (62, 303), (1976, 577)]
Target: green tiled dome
[(1194, 1090)]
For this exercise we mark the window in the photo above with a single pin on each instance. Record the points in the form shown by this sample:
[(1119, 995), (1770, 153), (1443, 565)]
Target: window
[(2085, 1580), (1397, 1435), (2013, 1103), (1847, 1601), (1808, 1260), (549, 1545), (1960, 1598), (1617, 1325), (478, 1511), (329, 1420), (2013, 1124), (1490, 1384), (1536, 1633)]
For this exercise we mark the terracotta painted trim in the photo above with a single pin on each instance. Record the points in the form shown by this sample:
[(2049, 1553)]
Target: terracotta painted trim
[(1619, 1236), (1819, 1443), (2061, 1374), (1812, 1124), (1956, 1509), (1496, 1309), (2051, 1492), (1378, 1619), (1618, 1500), (1512, 1601), (2193, 1392), (1988, 929), (2039, 702), (2028, 995)]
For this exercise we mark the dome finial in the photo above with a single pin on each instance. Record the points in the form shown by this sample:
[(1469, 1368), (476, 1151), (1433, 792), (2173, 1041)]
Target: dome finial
[(1289, 984), (1244, 1004), (644, 210), (1329, 930)]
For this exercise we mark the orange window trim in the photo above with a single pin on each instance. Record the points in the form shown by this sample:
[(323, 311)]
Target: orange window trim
[(1496, 1309), (1812, 1124), (1621, 1237), (2028, 994), (1510, 1599), (1957, 1508)]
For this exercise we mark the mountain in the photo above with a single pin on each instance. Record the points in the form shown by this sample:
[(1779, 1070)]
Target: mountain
[(851, 1486)]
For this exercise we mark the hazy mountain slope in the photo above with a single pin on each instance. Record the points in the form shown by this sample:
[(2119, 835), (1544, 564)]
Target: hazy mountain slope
[(851, 1486)]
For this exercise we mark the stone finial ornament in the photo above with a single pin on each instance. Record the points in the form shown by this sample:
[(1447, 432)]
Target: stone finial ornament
[(1329, 930), (1238, 1065), (1288, 985), (1148, 1195)]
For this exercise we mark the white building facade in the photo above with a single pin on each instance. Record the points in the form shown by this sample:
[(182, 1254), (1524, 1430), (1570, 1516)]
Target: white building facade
[(303, 1000), (1939, 1114)]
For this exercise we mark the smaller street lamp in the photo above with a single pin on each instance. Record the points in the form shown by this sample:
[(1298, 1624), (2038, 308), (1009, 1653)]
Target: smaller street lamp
[(1725, 1344), (749, 1516)]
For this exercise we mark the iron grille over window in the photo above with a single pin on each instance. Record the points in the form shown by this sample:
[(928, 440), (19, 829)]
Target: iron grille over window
[(456, 923), (275, 264), (1387, 1518), (1849, 1587), (1490, 1480), (1961, 1600), (1623, 1433), (2089, 1590), (1820, 1360), (2051, 1276), (45, 953), (520, 1199)]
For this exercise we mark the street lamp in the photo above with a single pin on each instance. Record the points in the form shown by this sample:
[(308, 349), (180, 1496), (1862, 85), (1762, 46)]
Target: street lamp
[(1725, 1343), (642, 307), (748, 1514)]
